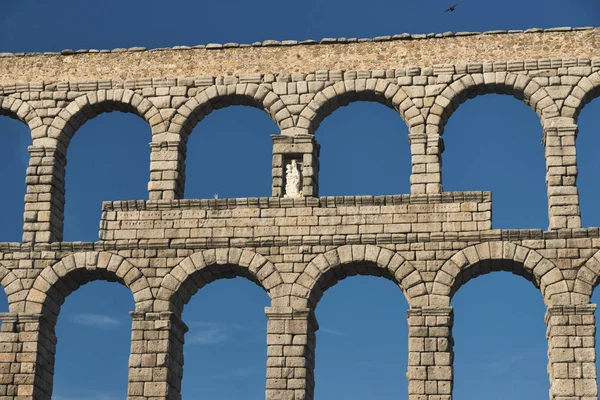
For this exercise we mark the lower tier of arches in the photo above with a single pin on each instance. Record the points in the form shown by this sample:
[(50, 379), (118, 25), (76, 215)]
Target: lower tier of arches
[(156, 360)]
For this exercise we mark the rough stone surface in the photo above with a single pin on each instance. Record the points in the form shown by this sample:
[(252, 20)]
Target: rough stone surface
[(428, 242)]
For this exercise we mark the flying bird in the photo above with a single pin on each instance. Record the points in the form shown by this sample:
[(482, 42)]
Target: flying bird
[(451, 8)]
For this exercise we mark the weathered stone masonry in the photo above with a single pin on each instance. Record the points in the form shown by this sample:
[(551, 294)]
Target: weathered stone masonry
[(428, 242)]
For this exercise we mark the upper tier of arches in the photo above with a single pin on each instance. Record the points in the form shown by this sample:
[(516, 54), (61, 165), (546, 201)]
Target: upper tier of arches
[(424, 102), (300, 107)]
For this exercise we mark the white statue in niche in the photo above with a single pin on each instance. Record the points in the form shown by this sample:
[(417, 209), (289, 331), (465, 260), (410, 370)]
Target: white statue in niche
[(292, 180)]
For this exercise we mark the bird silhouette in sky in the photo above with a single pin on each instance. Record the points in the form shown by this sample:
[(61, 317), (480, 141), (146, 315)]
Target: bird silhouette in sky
[(451, 8)]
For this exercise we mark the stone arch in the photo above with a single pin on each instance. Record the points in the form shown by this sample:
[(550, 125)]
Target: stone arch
[(325, 270), (520, 86), (13, 287), (588, 277), (204, 267), (57, 281), (22, 111), (486, 257), (586, 90), (92, 104), (215, 97), (344, 92)]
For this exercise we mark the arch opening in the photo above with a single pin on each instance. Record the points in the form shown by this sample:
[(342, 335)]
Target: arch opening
[(229, 153), (225, 348), (93, 342), (364, 150), (3, 302), (500, 349), (199, 279), (506, 159), (14, 160), (325, 270), (108, 160), (520, 87), (93, 104), (219, 97), (588, 163), (57, 282), (333, 276), (362, 341), (328, 101), (486, 267), (586, 90), (203, 267)]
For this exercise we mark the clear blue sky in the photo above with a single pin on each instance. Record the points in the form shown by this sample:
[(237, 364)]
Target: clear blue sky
[(362, 345)]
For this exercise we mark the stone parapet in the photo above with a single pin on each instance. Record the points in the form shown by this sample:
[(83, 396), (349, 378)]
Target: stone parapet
[(321, 217)]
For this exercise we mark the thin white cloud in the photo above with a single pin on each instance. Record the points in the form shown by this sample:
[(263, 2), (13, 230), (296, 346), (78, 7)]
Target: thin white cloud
[(238, 373), (211, 333), (100, 396), (334, 332), (503, 365), (95, 320)]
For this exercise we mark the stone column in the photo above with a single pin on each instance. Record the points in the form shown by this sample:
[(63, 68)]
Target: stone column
[(291, 353), (167, 170), (430, 353), (27, 348), (305, 150), (426, 154), (156, 360), (45, 198), (561, 176), (571, 352)]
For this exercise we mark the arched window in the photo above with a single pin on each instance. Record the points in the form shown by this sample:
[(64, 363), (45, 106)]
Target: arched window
[(362, 350), (14, 159), (492, 143), (108, 159), (364, 151), (500, 349), (229, 154), (225, 348), (588, 163), (93, 343)]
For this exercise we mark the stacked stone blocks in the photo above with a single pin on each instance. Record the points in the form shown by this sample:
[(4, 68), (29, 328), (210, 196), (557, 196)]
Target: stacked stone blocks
[(429, 242)]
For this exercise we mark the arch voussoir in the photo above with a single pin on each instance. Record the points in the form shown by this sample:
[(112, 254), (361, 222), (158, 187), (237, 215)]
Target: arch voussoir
[(20, 110), (91, 104), (326, 269), (587, 89), (520, 86), (56, 282), (214, 97), (203, 267), (13, 288), (485, 257), (588, 278), (341, 93)]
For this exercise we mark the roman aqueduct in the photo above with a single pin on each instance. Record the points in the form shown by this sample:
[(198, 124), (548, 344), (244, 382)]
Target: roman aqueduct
[(295, 247)]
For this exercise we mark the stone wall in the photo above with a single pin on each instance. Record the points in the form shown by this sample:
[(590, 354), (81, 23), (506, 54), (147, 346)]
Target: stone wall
[(429, 242), (291, 56)]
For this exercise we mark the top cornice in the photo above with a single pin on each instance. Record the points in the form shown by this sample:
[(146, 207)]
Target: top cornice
[(324, 41), (279, 59)]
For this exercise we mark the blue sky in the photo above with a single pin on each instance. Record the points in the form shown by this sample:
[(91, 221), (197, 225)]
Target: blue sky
[(492, 143)]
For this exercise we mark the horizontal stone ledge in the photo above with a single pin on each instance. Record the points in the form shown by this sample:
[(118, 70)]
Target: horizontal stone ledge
[(402, 75), (277, 202), (205, 243)]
